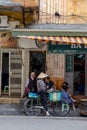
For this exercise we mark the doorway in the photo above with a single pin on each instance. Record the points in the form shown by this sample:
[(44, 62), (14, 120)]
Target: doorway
[(79, 74), (5, 74), (37, 61)]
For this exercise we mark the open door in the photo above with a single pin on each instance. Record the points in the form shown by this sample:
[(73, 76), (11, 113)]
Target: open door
[(5, 74), (85, 74), (0, 72), (37, 61), (79, 74)]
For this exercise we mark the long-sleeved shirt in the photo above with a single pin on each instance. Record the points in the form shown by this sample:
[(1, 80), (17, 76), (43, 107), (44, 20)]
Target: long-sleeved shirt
[(65, 98), (41, 85)]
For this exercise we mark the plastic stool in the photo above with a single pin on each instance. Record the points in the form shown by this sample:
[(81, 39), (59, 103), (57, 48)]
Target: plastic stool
[(65, 107), (5, 88)]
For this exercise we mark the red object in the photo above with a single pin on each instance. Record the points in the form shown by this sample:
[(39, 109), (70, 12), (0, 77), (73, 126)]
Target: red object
[(26, 92)]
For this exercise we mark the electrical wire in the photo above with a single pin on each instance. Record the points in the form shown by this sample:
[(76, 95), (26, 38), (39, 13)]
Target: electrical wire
[(64, 15), (81, 18), (60, 15), (48, 5)]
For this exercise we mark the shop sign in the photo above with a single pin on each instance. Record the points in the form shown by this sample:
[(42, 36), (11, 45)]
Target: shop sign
[(67, 48), (69, 63)]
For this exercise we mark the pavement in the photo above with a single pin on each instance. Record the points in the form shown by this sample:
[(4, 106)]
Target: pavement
[(13, 117), (18, 109), (72, 113), (42, 123), (10, 109)]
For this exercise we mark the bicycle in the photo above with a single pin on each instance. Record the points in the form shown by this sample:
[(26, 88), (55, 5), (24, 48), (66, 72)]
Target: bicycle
[(33, 106)]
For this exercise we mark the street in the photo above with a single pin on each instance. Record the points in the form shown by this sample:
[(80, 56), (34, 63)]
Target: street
[(42, 123)]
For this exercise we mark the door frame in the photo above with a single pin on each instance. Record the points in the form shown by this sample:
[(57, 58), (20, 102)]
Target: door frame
[(70, 74), (0, 73), (1, 52)]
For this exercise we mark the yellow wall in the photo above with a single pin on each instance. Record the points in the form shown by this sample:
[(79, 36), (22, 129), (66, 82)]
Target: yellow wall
[(6, 40), (28, 3), (77, 7), (13, 15), (65, 8), (71, 11)]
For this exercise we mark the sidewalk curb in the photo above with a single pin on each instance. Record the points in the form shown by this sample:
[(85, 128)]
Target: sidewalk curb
[(45, 117)]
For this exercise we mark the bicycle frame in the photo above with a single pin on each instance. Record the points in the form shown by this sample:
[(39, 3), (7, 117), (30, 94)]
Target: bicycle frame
[(33, 107)]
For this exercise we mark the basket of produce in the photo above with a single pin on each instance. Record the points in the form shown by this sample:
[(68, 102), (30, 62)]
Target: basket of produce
[(83, 113)]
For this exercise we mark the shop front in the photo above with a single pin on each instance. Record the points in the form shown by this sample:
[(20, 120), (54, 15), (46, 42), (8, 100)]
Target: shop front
[(10, 65), (10, 72), (65, 55), (65, 60), (75, 65)]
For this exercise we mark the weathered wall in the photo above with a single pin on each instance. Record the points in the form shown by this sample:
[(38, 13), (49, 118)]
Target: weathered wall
[(56, 68), (71, 11), (55, 65), (77, 7), (28, 3)]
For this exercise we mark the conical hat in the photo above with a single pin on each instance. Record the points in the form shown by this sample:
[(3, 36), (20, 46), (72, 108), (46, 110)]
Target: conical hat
[(42, 75)]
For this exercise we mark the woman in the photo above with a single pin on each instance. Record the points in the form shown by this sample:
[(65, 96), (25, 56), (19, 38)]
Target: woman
[(31, 85), (66, 96), (41, 88)]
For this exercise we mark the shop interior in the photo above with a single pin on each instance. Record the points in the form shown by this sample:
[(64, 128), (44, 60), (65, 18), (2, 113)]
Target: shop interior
[(5, 73), (37, 61), (79, 74)]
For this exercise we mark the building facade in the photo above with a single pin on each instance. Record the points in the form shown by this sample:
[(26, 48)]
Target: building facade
[(60, 19), (63, 11), (65, 59)]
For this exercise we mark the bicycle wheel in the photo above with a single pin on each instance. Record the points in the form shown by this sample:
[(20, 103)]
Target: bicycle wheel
[(57, 108), (31, 108)]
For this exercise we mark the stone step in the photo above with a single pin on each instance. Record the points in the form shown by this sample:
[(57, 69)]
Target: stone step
[(9, 109), (10, 100)]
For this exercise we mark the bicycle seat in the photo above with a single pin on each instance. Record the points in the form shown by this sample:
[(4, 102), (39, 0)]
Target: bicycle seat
[(32, 95)]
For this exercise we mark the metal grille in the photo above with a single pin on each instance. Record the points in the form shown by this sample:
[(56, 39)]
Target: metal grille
[(15, 73)]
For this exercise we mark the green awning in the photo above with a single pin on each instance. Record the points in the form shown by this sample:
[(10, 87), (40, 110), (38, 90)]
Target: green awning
[(29, 32)]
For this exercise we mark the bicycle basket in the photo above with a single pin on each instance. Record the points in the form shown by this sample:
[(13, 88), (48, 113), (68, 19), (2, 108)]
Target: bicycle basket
[(54, 96)]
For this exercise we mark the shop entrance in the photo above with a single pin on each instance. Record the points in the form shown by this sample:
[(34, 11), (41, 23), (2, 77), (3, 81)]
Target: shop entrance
[(5, 74), (37, 61), (79, 74)]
